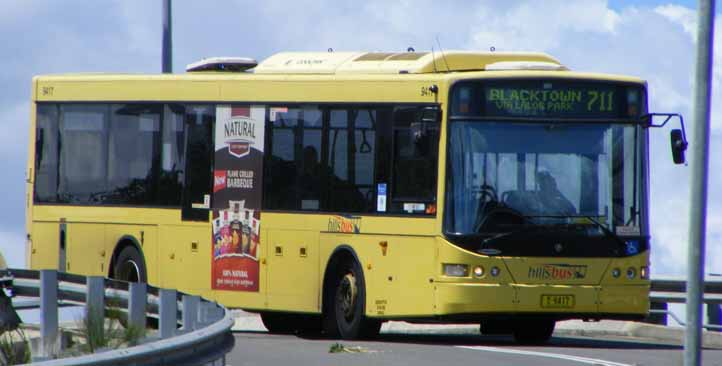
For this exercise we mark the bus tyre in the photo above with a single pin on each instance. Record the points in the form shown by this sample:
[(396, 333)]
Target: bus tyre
[(533, 331), (345, 304), (129, 266)]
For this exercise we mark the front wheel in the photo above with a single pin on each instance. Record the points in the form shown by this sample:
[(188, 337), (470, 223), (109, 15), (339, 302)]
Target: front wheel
[(344, 314), (533, 331)]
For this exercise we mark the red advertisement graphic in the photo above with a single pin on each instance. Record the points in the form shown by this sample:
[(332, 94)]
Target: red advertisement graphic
[(237, 182), (219, 180), (235, 274)]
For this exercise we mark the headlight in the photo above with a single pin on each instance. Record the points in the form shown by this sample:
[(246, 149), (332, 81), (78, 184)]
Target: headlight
[(616, 273), (456, 270), (478, 271), (631, 273)]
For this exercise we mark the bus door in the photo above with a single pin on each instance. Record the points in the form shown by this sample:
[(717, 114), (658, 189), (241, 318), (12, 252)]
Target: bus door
[(198, 165), (186, 246)]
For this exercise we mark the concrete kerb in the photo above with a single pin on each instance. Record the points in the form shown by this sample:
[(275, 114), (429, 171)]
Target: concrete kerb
[(252, 323), (633, 329)]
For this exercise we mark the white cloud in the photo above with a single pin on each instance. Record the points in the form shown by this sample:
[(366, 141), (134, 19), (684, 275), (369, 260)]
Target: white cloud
[(521, 27), (681, 15)]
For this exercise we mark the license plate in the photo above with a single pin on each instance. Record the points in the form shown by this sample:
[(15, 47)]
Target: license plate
[(557, 301)]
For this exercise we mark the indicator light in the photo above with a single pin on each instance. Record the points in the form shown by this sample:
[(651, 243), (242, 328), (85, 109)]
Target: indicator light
[(478, 271), (616, 273), (495, 271), (631, 273)]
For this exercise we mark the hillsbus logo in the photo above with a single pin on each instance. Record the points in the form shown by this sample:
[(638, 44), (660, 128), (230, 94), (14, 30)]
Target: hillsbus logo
[(558, 272), (344, 224)]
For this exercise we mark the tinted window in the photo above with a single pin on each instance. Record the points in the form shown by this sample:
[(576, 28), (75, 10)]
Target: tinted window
[(295, 175), (109, 154), (46, 153), (351, 159), (83, 153), (133, 153), (198, 166), (329, 159), (170, 181), (416, 141)]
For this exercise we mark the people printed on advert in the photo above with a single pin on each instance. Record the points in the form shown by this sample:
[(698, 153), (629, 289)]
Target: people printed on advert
[(236, 232)]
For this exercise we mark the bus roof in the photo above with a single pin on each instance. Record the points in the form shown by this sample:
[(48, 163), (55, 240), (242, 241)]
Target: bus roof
[(402, 63), (292, 72)]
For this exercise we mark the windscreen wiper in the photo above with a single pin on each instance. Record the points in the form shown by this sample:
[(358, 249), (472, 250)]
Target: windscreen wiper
[(523, 229), (608, 233)]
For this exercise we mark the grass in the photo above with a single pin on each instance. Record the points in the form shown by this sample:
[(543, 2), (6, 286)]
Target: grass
[(97, 332), (108, 331), (14, 350)]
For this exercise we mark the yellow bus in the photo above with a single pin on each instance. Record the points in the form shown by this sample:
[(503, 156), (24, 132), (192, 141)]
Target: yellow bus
[(334, 191)]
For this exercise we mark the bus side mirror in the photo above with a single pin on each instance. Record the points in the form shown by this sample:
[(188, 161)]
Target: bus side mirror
[(679, 145), (677, 137)]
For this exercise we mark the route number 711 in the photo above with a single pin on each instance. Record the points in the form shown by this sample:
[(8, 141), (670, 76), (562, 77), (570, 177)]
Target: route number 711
[(600, 101)]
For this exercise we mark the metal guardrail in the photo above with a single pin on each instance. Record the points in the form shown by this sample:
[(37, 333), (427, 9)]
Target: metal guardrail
[(191, 330), (668, 289)]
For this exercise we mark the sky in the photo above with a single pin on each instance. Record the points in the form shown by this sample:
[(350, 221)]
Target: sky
[(651, 39)]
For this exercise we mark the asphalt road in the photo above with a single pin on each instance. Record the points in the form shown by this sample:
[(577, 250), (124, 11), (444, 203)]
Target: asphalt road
[(261, 348)]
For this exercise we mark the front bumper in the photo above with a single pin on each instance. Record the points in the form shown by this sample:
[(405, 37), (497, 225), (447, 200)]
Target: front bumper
[(589, 302)]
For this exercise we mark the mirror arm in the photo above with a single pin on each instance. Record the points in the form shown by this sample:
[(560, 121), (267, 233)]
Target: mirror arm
[(649, 117)]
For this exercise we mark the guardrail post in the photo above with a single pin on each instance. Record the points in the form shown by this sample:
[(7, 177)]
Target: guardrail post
[(714, 315), (49, 336), (167, 312), (190, 312), (137, 301), (660, 319), (209, 312), (95, 298)]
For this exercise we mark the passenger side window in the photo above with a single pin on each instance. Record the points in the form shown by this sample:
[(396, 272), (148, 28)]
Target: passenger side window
[(294, 173), (133, 153), (348, 158), (83, 156), (172, 169), (199, 120), (46, 153), (415, 157), (117, 154)]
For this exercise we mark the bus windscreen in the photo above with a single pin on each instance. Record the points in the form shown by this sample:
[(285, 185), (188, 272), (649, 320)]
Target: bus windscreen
[(547, 99)]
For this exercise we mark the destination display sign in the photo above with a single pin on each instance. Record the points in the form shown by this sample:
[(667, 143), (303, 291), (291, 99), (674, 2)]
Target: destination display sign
[(558, 98)]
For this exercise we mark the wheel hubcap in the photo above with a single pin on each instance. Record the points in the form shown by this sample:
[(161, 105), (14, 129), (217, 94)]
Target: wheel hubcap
[(348, 293)]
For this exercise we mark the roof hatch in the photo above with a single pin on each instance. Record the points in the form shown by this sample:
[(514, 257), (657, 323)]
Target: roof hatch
[(230, 64)]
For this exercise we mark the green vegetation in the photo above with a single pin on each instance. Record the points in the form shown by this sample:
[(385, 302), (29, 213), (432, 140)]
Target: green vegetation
[(108, 331), (14, 348)]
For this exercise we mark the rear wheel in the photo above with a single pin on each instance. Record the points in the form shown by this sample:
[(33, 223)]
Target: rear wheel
[(129, 266), (344, 300), (533, 331)]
